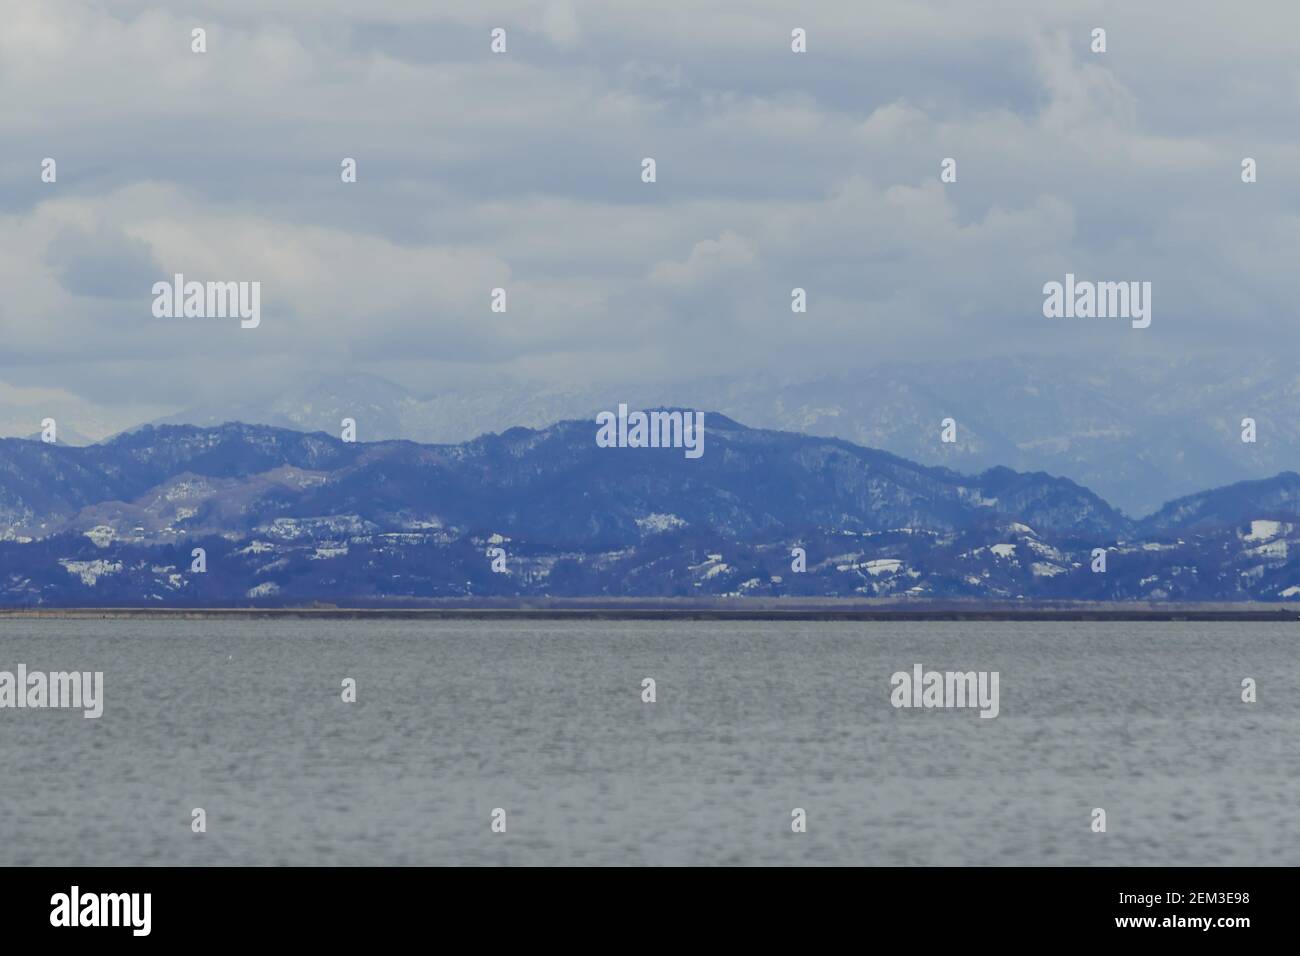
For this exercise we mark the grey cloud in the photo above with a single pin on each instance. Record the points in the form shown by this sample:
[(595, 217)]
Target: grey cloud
[(775, 170)]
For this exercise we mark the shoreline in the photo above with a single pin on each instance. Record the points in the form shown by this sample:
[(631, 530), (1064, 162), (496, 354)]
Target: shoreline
[(686, 610)]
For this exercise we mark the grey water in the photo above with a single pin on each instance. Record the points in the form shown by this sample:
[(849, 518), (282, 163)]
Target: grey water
[(545, 720)]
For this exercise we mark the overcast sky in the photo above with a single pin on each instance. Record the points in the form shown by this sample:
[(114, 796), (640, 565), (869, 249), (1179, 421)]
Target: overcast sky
[(523, 170)]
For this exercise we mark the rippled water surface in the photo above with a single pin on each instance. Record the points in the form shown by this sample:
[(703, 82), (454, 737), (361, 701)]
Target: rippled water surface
[(545, 720)]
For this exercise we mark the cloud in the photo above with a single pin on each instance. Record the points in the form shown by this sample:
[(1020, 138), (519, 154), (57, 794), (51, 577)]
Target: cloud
[(775, 170), (101, 263), (709, 260)]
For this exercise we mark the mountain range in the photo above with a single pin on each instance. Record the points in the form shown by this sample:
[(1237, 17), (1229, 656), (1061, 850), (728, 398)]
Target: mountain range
[(290, 517), (1138, 430)]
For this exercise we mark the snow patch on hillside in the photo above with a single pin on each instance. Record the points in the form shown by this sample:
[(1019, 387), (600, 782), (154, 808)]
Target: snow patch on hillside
[(102, 535), (1263, 530), (256, 547), (91, 571), (657, 523)]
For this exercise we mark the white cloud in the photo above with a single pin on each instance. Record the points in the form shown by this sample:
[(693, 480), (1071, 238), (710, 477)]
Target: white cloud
[(775, 170)]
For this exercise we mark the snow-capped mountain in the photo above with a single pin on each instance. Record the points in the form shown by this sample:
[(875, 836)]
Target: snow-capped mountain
[(1138, 432), (291, 517)]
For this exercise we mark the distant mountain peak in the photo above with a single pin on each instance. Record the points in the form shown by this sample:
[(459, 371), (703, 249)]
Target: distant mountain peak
[(287, 515)]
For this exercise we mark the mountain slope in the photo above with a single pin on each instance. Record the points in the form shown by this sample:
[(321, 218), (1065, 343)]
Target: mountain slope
[(1136, 431), (288, 517), (553, 484), (1276, 498)]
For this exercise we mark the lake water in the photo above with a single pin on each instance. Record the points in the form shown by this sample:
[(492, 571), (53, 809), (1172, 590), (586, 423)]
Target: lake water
[(545, 720)]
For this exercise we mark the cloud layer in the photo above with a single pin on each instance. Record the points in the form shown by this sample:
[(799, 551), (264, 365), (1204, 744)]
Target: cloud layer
[(523, 170)]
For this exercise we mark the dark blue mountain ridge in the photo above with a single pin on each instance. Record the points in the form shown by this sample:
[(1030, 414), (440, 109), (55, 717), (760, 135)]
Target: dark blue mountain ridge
[(288, 516), (1276, 498), (555, 483)]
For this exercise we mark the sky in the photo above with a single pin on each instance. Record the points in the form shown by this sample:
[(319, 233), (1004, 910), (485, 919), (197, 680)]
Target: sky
[(523, 170)]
